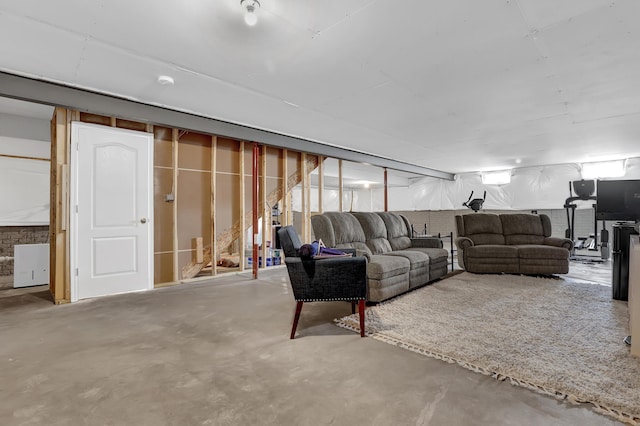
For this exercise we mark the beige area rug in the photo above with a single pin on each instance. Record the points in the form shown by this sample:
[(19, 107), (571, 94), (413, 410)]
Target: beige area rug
[(559, 337)]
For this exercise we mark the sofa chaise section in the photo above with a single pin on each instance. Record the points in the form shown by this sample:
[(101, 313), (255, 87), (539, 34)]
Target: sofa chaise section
[(399, 236), (376, 233)]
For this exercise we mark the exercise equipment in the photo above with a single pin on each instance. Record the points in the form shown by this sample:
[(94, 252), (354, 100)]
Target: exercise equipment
[(476, 203), (584, 190)]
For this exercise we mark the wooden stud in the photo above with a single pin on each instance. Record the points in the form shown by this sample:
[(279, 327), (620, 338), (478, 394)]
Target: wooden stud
[(302, 161), (199, 250), (266, 210), (340, 187), (24, 158), (286, 195), (72, 116), (320, 184), (386, 191), (63, 211), (174, 226), (243, 227), (255, 184), (306, 198), (214, 248), (58, 248)]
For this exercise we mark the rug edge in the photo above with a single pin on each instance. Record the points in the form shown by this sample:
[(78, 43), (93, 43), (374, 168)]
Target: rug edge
[(599, 408)]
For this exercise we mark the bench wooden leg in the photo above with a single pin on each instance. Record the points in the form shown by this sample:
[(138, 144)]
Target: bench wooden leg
[(296, 317)]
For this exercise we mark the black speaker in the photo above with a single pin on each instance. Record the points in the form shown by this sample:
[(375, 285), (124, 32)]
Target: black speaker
[(584, 188)]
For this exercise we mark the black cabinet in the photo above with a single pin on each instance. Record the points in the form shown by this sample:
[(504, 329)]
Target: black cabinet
[(620, 255)]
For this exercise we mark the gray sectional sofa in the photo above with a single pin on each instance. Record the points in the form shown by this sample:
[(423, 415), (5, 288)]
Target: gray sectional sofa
[(396, 262), (510, 243)]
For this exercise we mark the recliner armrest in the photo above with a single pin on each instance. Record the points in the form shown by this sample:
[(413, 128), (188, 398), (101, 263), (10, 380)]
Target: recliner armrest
[(559, 242), (427, 242), (464, 242)]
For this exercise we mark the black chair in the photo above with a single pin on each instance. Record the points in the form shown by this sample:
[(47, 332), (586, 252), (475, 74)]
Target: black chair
[(328, 279)]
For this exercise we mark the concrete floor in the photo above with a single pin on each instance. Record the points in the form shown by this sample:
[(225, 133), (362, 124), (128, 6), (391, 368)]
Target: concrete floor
[(218, 353)]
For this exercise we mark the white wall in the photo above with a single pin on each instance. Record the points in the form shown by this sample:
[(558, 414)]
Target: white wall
[(25, 136), (544, 187), (24, 183)]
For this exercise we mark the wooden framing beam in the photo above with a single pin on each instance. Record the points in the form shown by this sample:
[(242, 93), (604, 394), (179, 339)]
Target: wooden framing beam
[(320, 184), (264, 207), (22, 157), (340, 187), (255, 180), (286, 196), (214, 228), (386, 191), (59, 253), (175, 134), (306, 198), (243, 221)]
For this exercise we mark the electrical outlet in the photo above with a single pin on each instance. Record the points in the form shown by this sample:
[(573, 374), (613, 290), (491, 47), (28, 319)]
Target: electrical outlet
[(169, 197)]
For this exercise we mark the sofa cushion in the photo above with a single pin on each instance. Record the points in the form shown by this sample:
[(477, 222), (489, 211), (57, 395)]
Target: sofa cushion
[(492, 251), (435, 254), (383, 266), (482, 228), (542, 252), (522, 228), (374, 231), (323, 230), (416, 259), (397, 232), (347, 232)]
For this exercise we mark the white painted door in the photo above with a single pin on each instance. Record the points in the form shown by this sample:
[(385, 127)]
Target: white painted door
[(111, 206)]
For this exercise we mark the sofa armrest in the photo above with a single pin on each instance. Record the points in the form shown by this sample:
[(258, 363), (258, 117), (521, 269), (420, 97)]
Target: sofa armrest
[(362, 253), (463, 243), (559, 242), (428, 242)]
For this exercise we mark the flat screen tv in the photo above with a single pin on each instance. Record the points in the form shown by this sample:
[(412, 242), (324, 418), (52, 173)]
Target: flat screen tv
[(618, 200)]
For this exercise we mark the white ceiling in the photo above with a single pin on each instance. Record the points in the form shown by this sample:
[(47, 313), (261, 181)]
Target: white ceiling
[(458, 86)]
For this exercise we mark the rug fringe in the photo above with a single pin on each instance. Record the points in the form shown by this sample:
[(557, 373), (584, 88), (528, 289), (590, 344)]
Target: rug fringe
[(617, 414)]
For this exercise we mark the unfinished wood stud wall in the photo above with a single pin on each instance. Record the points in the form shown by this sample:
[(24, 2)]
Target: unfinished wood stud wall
[(200, 191)]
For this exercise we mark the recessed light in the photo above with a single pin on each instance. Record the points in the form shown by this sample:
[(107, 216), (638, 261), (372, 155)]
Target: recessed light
[(518, 161), (165, 80)]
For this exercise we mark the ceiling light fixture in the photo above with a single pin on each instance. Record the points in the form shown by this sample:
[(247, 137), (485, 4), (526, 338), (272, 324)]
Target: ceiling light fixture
[(250, 6), (501, 177), (603, 169), (165, 80)]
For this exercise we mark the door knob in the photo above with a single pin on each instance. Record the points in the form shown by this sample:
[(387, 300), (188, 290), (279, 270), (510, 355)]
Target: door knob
[(143, 220)]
